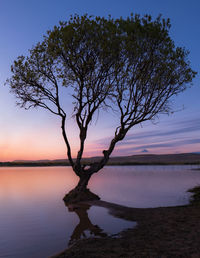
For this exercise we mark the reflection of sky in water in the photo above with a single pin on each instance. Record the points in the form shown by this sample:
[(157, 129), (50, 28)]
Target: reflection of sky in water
[(111, 225), (145, 186), (96, 222), (35, 223)]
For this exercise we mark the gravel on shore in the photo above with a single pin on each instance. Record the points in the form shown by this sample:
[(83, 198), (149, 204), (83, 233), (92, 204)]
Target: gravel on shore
[(160, 232)]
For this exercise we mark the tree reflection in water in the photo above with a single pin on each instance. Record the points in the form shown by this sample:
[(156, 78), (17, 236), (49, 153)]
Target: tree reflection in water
[(84, 225)]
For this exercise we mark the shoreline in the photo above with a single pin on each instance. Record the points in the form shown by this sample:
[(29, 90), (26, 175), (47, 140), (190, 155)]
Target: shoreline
[(160, 232), (134, 160), (10, 164)]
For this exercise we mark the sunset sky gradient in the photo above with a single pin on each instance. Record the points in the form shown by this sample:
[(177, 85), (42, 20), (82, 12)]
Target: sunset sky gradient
[(36, 134)]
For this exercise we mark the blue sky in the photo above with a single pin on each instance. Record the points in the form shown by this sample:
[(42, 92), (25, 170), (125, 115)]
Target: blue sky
[(36, 134)]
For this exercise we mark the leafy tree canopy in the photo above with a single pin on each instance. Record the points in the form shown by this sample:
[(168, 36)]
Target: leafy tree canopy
[(130, 65)]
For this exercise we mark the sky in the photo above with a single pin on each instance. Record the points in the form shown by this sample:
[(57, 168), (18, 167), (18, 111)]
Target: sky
[(36, 134)]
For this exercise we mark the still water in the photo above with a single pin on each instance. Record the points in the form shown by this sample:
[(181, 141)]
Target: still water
[(34, 222)]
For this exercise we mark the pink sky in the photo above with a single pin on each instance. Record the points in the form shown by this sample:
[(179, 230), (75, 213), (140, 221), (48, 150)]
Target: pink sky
[(35, 134)]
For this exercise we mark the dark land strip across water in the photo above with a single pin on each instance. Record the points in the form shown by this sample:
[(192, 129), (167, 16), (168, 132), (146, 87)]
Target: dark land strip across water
[(146, 159)]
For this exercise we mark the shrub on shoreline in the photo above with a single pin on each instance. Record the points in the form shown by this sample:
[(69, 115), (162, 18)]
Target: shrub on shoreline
[(195, 197)]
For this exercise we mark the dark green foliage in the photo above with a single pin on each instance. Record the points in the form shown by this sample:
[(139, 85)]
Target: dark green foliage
[(130, 66)]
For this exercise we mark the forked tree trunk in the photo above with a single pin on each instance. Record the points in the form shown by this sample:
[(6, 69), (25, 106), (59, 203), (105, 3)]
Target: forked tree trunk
[(81, 192), (83, 182)]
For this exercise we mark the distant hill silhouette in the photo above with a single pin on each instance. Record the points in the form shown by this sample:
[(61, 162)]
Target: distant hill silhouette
[(142, 159), (40, 160)]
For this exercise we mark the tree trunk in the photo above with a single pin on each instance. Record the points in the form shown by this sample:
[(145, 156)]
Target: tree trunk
[(81, 192), (83, 182)]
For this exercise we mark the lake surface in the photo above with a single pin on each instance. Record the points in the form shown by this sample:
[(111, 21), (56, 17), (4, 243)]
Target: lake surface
[(34, 222)]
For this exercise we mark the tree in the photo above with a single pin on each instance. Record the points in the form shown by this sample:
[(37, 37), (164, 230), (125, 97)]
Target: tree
[(128, 65)]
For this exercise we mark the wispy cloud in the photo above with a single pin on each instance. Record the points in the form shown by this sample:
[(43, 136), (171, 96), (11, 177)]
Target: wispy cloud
[(189, 126), (168, 144), (169, 136)]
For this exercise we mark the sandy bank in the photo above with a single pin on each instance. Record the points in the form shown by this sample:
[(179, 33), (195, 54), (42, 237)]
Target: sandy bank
[(160, 232)]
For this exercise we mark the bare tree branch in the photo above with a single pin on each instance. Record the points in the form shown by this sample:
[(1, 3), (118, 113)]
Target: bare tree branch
[(127, 66)]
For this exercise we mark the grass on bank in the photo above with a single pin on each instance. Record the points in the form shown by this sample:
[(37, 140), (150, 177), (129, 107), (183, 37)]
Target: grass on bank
[(195, 197)]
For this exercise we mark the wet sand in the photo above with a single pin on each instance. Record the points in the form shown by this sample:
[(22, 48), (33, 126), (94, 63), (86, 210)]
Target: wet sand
[(160, 232)]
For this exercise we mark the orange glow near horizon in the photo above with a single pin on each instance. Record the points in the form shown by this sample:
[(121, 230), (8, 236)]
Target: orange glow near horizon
[(35, 134), (26, 183), (42, 152), (44, 141)]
